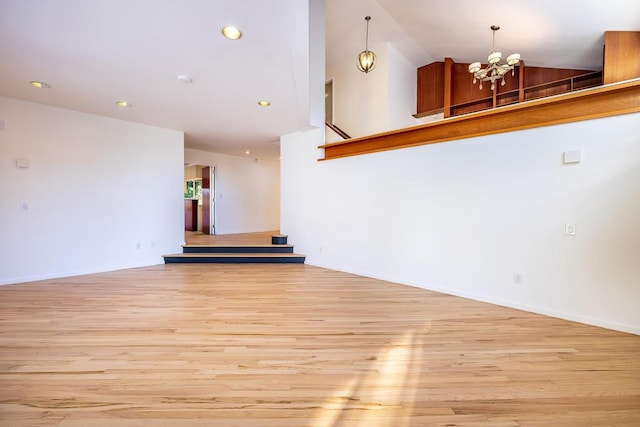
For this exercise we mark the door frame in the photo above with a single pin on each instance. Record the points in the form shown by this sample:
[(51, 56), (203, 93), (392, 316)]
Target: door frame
[(208, 199)]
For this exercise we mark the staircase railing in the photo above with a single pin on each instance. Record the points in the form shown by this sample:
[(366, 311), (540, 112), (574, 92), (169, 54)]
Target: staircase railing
[(337, 130)]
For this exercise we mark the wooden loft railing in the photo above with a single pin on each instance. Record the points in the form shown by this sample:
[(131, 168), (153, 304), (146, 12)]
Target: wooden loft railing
[(448, 88), (602, 101), (570, 84), (521, 94)]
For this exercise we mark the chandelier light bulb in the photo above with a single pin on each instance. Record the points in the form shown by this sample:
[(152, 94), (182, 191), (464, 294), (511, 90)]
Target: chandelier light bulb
[(366, 61), (494, 57), (513, 59), (474, 67)]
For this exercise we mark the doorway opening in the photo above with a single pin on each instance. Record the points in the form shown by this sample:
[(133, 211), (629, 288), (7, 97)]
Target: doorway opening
[(199, 198)]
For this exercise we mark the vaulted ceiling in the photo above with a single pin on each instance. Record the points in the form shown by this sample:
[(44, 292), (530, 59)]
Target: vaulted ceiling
[(94, 53)]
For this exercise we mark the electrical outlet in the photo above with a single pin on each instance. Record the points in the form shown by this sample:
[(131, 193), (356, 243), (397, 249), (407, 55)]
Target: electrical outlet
[(518, 279), (24, 206), (570, 229), (138, 245)]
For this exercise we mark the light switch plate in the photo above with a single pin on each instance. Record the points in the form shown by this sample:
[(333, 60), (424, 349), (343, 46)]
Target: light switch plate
[(22, 163), (572, 156), (570, 229)]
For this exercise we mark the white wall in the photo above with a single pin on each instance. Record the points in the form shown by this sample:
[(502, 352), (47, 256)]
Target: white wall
[(316, 64), (247, 191), (95, 189), (462, 217), (402, 87), (360, 100), (383, 99)]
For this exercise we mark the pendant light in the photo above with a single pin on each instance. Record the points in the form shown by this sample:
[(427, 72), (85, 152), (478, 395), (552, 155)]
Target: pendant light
[(366, 59)]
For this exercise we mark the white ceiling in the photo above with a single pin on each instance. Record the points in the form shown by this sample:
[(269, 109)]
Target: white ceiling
[(552, 33), (94, 53)]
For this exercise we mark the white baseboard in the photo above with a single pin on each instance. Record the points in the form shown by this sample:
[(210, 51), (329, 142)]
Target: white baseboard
[(574, 317), (58, 275)]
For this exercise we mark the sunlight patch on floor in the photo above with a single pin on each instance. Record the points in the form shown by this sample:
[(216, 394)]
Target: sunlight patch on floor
[(384, 396)]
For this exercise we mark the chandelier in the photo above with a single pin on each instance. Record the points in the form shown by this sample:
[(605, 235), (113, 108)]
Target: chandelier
[(495, 70), (366, 59)]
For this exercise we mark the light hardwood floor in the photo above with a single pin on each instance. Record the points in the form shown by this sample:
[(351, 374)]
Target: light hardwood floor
[(295, 345)]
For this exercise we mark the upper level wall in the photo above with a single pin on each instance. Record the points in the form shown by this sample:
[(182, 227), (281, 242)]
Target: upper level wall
[(359, 100), (380, 100)]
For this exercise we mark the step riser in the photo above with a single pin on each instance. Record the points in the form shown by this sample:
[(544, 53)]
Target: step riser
[(237, 250), (234, 260), (279, 239), (236, 254)]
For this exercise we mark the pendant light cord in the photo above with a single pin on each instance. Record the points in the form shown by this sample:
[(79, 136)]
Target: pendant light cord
[(366, 40)]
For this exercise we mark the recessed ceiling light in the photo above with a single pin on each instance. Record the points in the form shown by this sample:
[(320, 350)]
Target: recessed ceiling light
[(123, 104), (264, 103), (39, 85), (184, 78), (247, 152), (231, 32)]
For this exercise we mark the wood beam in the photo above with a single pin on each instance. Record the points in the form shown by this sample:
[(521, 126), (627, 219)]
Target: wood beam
[(448, 86), (602, 101)]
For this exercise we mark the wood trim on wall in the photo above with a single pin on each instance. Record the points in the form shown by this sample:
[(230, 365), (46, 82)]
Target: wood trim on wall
[(602, 101), (621, 56)]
